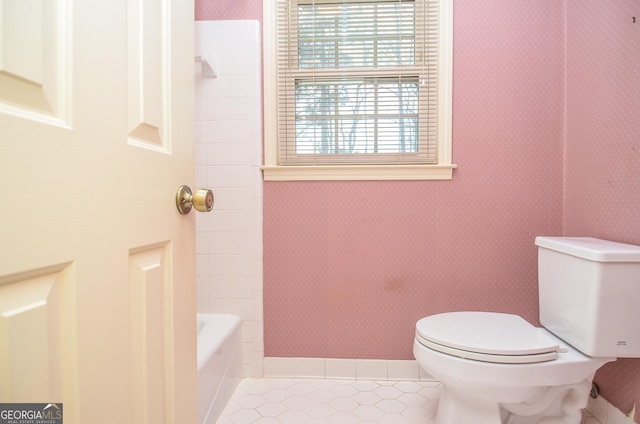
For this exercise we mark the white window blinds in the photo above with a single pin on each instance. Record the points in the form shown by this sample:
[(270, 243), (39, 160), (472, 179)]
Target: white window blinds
[(357, 81)]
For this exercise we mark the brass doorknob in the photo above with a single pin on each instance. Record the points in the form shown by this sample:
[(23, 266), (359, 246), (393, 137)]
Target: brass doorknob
[(201, 200)]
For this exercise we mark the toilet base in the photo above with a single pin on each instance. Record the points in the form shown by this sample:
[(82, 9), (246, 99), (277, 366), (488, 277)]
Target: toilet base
[(456, 408), (548, 405), (553, 405)]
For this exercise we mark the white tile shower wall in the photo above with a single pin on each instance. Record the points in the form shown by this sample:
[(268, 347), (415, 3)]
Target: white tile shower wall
[(228, 159)]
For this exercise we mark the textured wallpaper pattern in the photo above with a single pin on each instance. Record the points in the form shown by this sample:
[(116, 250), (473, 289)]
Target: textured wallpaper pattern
[(351, 266), (602, 183), (218, 10)]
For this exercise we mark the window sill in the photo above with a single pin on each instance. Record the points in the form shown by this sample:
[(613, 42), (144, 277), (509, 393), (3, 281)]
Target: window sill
[(358, 172)]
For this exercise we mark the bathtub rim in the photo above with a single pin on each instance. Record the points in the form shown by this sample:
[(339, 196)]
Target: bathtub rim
[(215, 331)]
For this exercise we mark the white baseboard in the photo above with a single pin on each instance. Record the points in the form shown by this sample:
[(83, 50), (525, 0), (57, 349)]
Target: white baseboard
[(357, 369), (395, 370), (606, 413)]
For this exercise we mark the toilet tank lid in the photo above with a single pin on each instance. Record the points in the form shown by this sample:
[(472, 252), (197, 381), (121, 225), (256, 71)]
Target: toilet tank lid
[(591, 248)]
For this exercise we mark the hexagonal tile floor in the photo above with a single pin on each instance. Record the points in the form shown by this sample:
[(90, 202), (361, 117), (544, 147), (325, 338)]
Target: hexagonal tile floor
[(317, 401)]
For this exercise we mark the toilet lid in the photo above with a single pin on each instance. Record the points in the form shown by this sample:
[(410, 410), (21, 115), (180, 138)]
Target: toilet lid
[(486, 336)]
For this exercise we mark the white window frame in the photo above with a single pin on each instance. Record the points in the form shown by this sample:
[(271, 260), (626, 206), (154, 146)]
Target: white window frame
[(442, 170)]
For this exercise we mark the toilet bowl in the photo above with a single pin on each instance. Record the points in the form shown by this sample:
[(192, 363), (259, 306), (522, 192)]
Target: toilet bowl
[(499, 369)]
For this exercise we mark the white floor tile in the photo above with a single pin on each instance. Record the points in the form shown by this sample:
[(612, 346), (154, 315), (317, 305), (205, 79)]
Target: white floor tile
[(327, 401), (315, 401)]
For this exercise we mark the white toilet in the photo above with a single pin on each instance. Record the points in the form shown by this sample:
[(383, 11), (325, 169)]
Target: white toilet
[(498, 368)]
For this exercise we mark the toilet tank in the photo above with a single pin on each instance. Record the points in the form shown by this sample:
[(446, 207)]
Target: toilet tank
[(589, 293)]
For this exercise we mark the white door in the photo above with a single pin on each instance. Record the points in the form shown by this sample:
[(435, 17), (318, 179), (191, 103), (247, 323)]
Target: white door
[(97, 267)]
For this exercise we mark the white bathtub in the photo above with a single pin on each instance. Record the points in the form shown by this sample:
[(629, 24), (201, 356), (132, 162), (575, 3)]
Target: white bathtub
[(219, 363)]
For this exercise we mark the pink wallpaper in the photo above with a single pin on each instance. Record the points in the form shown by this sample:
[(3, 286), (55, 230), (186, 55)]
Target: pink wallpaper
[(602, 185), (351, 266), (220, 10)]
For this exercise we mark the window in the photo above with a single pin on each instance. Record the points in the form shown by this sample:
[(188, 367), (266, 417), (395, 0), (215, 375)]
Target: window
[(357, 89)]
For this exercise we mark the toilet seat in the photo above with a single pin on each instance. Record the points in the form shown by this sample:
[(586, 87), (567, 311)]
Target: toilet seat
[(486, 336)]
